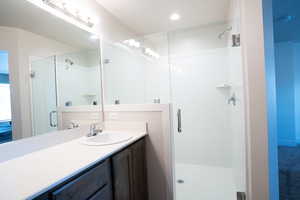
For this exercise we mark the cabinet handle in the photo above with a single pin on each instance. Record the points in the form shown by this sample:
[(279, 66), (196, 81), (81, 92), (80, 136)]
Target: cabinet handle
[(179, 127)]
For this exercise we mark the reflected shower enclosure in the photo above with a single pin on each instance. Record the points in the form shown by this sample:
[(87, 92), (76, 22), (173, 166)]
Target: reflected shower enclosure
[(71, 79)]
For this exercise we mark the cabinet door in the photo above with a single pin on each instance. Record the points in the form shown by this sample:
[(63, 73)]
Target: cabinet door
[(86, 185), (122, 175), (139, 172), (103, 194)]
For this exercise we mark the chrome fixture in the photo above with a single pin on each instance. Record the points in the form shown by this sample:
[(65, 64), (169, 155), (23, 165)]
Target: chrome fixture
[(70, 11), (106, 61), (157, 100), (68, 103), (51, 115), (179, 127), (69, 61), (232, 99), (32, 74), (94, 131), (73, 125), (241, 196), (236, 40)]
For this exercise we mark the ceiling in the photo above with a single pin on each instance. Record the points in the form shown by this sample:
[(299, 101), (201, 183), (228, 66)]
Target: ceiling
[(152, 16), (24, 15)]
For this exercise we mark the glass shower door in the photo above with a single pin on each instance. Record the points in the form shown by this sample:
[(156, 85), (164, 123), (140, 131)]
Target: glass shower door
[(208, 115), (44, 95)]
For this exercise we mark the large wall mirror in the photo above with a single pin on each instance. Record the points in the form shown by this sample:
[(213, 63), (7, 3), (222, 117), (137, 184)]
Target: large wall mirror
[(136, 71), (46, 64)]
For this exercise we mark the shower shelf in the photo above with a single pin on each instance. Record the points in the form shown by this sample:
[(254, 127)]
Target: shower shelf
[(223, 86)]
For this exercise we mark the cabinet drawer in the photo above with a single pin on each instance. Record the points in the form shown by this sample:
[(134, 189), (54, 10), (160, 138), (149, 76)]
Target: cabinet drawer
[(86, 185), (103, 194)]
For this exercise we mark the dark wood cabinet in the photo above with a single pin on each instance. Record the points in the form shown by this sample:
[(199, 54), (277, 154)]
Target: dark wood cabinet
[(139, 171), (122, 181), (86, 185), (121, 177), (130, 174)]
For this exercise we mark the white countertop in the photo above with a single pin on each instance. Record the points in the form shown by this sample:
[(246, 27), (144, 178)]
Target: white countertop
[(29, 176)]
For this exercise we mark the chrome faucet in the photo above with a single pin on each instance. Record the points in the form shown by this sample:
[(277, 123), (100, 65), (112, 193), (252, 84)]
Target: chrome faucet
[(94, 131), (73, 125)]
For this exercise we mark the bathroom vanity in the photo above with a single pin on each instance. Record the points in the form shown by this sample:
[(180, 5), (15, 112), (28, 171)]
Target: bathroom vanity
[(120, 177), (76, 171)]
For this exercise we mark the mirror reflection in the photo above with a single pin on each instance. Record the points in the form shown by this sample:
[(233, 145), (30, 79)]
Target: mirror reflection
[(43, 68), (136, 71)]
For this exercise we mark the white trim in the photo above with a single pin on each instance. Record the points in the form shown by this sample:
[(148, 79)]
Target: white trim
[(252, 31)]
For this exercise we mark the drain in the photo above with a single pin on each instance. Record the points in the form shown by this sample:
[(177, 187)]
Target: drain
[(180, 181)]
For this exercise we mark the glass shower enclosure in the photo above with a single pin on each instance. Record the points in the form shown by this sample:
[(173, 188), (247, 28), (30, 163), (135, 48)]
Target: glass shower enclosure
[(208, 113)]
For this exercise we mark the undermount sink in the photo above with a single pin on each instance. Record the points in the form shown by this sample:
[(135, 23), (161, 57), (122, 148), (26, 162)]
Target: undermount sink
[(106, 138)]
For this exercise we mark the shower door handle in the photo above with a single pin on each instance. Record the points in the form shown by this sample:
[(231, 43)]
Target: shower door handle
[(179, 127), (52, 124)]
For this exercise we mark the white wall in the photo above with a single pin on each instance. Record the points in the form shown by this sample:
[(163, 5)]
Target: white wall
[(124, 76), (80, 82), (257, 44), (134, 78)]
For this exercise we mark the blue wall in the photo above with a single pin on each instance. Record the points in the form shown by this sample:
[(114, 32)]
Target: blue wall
[(271, 100), (5, 128), (285, 87), (4, 78), (286, 29)]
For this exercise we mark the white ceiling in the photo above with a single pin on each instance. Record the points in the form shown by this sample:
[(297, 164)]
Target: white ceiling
[(152, 16)]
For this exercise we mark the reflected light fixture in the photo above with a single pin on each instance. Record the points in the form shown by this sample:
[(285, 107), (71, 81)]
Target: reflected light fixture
[(132, 43), (71, 10), (175, 17)]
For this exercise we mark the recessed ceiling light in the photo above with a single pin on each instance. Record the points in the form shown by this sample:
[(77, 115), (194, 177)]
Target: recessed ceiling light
[(174, 17)]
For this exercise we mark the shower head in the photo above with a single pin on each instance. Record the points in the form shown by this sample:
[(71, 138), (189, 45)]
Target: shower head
[(221, 35)]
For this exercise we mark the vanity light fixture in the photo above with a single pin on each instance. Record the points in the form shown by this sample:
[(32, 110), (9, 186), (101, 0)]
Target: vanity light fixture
[(145, 50), (175, 17), (151, 53), (70, 11), (132, 43)]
